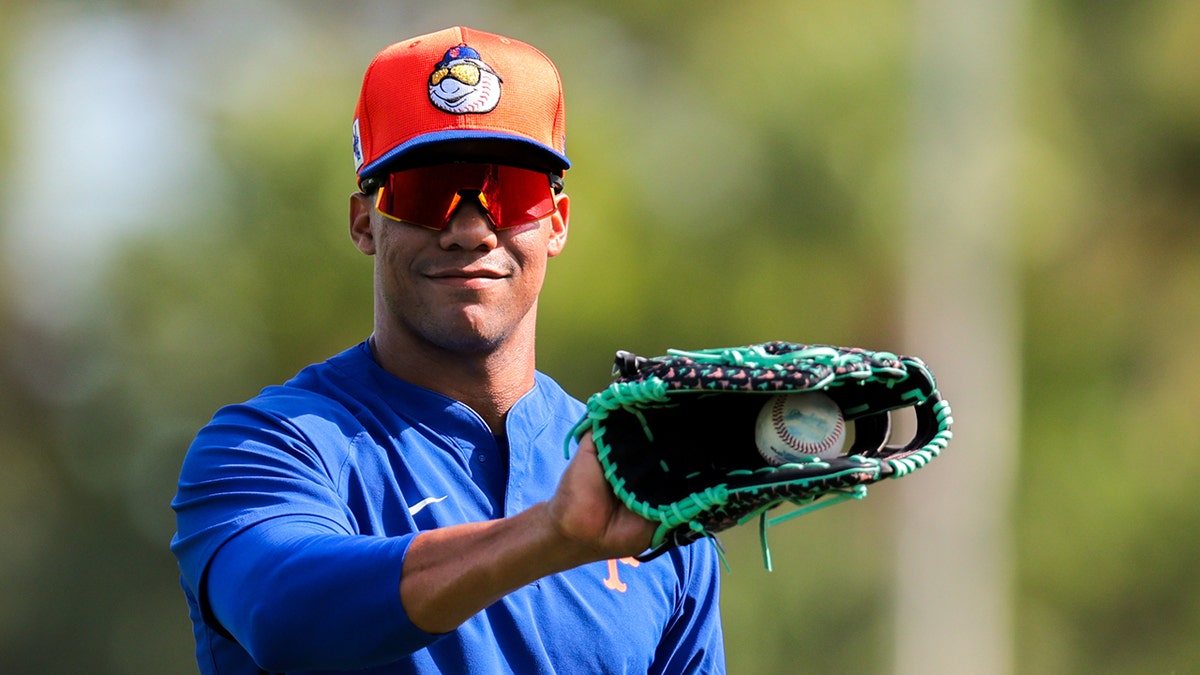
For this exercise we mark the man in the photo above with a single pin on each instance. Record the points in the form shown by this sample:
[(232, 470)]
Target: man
[(406, 506)]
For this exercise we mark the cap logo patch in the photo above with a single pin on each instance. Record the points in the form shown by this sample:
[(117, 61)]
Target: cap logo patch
[(358, 150), (462, 83)]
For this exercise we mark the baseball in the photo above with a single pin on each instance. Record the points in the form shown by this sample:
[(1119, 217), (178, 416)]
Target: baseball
[(795, 427)]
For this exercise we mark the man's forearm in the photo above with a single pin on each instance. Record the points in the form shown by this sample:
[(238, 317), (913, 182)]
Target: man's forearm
[(452, 573)]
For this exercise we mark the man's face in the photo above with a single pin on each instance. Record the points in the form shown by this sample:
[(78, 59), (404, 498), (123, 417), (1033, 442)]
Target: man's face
[(467, 287)]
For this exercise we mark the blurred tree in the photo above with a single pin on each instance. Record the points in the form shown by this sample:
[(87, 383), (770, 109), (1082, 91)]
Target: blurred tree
[(1114, 185)]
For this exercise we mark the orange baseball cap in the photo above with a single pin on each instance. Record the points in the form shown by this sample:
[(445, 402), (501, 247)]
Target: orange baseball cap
[(459, 95)]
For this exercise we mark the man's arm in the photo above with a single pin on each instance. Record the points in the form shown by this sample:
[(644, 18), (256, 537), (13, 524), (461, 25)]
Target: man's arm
[(283, 586), (452, 573)]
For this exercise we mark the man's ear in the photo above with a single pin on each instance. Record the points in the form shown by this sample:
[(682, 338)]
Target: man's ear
[(361, 207), (559, 220)]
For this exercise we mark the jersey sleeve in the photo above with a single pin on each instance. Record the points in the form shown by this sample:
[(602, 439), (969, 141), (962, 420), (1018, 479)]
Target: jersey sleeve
[(272, 552)]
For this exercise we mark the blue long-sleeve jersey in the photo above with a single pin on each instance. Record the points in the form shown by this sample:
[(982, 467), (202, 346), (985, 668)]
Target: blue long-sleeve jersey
[(295, 511)]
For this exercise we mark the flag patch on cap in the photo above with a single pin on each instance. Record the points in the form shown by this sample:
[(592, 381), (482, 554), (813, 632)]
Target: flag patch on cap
[(358, 151), (462, 83)]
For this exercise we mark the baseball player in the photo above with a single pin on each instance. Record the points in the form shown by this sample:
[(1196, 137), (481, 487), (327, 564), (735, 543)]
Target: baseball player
[(406, 506)]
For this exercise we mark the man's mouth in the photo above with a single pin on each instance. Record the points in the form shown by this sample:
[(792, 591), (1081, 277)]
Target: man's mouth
[(467, 272), (467, 277)]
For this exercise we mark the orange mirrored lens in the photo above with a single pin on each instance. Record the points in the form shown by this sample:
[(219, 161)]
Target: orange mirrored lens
[(427, 196)]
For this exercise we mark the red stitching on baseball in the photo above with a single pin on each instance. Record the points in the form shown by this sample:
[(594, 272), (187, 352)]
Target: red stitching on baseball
[(777, 421), (481, 96)]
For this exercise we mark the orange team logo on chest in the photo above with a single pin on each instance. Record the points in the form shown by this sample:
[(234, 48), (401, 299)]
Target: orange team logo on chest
[(613, 582)]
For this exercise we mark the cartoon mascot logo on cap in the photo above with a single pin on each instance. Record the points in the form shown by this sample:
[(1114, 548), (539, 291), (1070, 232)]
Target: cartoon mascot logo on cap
[(462, 83)]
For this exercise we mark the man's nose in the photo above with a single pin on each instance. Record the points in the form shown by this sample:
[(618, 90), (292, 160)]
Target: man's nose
[(470, 227)]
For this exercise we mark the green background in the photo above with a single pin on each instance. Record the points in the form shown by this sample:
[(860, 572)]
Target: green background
[(173, 222)]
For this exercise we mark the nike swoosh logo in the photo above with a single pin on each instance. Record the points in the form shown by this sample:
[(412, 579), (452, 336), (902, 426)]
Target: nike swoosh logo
[(419, 506)]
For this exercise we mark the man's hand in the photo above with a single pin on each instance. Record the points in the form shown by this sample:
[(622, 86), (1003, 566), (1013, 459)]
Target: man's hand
[(585, 510)]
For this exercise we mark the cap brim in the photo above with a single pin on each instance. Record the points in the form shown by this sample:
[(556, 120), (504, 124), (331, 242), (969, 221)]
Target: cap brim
[(468, 146)]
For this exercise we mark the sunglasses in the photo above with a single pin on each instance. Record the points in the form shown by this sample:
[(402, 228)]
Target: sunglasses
[(427, 196), (467, 73)]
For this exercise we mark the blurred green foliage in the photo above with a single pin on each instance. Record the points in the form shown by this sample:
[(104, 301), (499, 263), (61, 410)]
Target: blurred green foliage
[(741, 175)]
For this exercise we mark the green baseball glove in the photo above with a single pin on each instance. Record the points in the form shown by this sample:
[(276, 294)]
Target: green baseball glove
[(676, 436)]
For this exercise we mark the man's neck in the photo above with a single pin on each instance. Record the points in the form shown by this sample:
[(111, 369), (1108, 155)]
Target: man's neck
[(490, 382)]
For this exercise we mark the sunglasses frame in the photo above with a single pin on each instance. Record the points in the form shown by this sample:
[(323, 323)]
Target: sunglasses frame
[(380, 184)]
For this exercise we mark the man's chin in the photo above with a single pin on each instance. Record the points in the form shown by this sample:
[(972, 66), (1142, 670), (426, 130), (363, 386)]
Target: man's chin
[(469, 344), (467, 339)]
